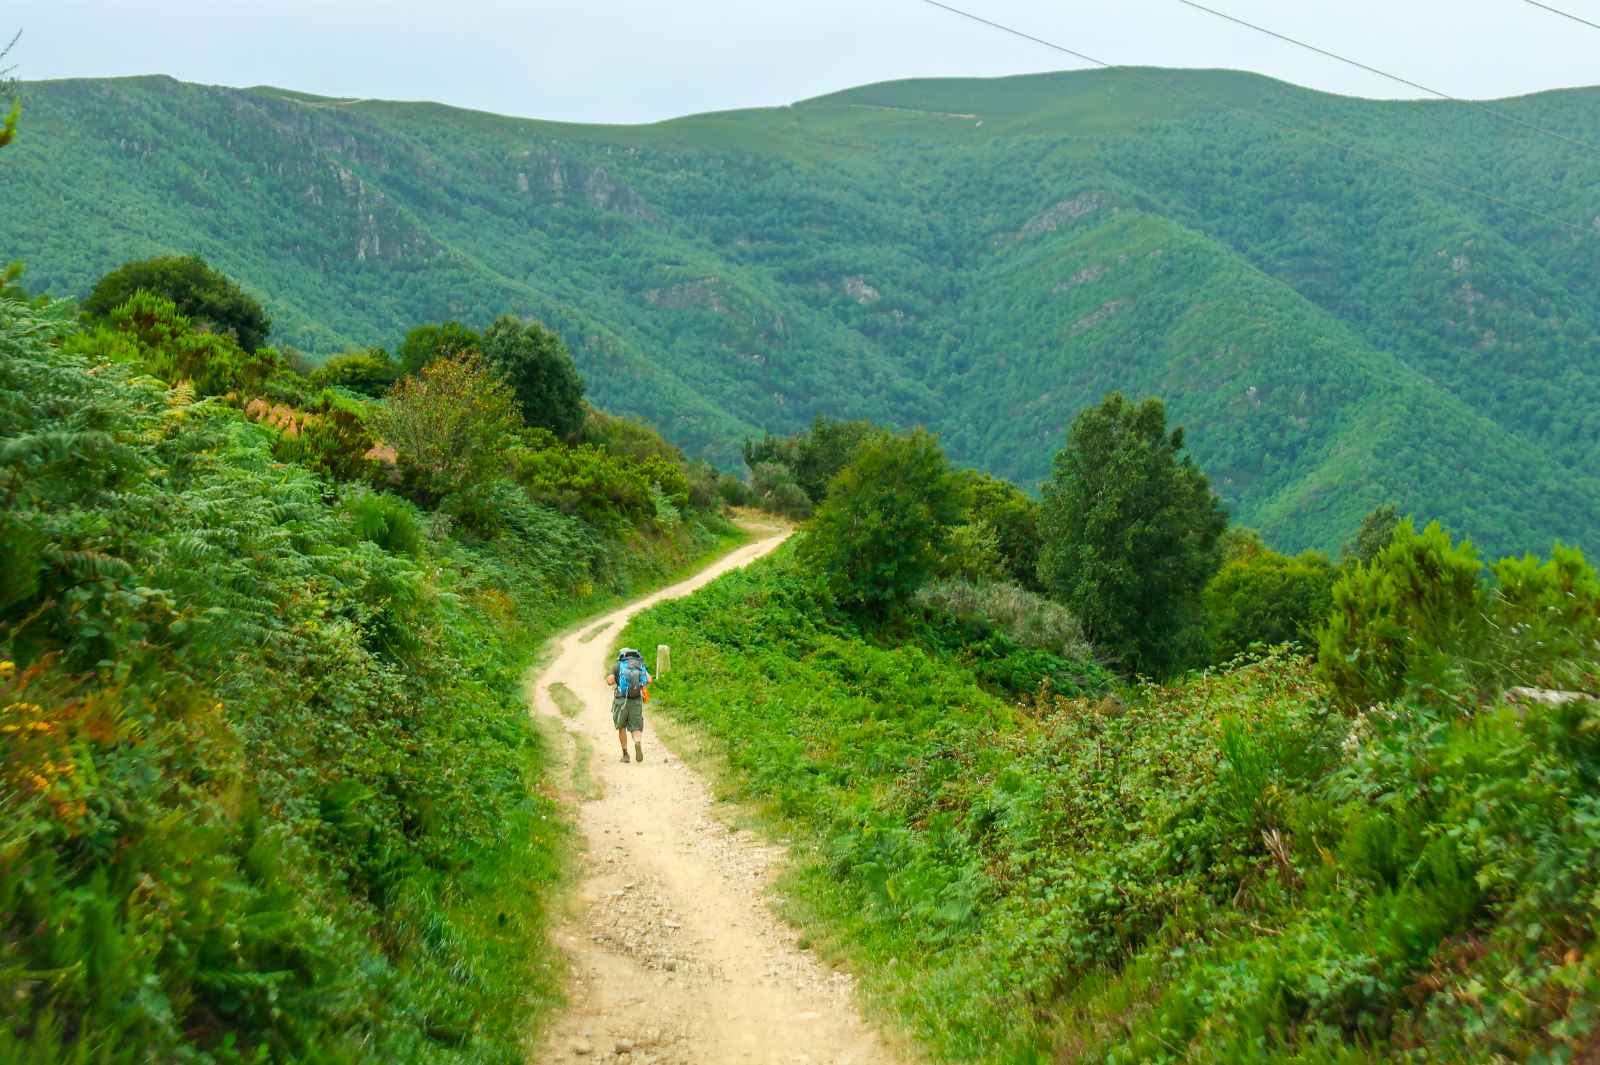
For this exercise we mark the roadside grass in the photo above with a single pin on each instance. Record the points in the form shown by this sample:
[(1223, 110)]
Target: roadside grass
[(594, 632), (566, 699)]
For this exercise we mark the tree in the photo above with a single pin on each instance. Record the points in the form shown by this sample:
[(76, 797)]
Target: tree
[(451, 426), (206, 297), (1012, 518), (884, 522), (540, 370), (435, 340), (1130, 530), (1376, 531)]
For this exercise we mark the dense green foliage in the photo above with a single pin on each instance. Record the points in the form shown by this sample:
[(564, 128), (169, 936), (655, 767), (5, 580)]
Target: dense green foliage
[(985, 258), (884, 522), (1130, 531), (537, 365), (1226, 868), (270, 790), (1422, 616), (199, 293), (434, 340), (1263, 597)]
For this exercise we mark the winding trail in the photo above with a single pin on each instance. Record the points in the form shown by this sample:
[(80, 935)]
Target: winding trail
[(676, 959)]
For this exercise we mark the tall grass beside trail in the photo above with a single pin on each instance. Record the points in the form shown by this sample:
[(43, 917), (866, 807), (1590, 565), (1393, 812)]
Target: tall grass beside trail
[(270, 791), (1226, 868)]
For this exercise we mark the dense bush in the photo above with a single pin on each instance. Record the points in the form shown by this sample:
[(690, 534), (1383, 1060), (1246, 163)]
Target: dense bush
[(1260, 597), (773, 488), (1407, 617), (148, 330), (451, 426), (330, 438), (884, 523), (1026, 617), (425, 343), (201, 294), (369, 371), (1421, 619)]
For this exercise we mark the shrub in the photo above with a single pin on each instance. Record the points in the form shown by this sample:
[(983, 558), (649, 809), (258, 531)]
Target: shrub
[(972, 553), (431, 341), (584, 480), (148, 330), (451, 425), (385, 520), (1405, 618), (773, 488), (330, 439), (1262, 597), (369, 371), (732, 491), (885, 522), (198, 292), (1013, 520), (1546, 621)]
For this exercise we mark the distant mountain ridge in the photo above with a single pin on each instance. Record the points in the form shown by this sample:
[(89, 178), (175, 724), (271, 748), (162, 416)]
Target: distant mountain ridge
[(982, 256)]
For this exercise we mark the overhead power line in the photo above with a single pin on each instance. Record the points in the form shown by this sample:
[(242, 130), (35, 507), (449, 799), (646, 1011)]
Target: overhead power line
[(1496, 112), (1563, 14), (1282, 126)]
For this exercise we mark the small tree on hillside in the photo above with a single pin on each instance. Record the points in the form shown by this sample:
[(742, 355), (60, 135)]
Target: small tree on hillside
[(884, 523), (1130, 531), (541, 372), (451, 425), (203, 295), (435, 340)]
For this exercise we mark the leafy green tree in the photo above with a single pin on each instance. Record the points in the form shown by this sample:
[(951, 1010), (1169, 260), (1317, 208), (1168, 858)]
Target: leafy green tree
[(451, 426), (885, 522), (541, 372), (1130, 530), (1375, 533), (1011, 518), (203, 295), (435, 340), (1264, 597)]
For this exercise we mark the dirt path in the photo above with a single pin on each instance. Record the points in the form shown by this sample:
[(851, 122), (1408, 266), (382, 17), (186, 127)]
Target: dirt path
[(676, 958)]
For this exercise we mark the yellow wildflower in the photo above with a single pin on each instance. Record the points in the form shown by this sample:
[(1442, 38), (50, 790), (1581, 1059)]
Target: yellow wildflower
[(8, 669)]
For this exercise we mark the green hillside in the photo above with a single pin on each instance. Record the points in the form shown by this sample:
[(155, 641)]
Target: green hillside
[(985, 257)]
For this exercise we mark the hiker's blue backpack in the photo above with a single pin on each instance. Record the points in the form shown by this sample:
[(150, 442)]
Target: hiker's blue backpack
[(631, 674)]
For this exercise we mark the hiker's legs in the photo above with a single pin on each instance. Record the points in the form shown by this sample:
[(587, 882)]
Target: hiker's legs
[(622, 739)]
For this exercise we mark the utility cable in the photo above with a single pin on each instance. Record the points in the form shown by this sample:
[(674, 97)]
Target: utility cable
[(1504, 116), (1563, 14), (1282, 126)]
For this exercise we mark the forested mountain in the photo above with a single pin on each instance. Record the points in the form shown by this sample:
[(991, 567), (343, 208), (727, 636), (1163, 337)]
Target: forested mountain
[(1314, 284)]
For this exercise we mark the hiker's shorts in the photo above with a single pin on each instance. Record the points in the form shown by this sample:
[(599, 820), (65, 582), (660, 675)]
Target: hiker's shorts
[(628, 714)]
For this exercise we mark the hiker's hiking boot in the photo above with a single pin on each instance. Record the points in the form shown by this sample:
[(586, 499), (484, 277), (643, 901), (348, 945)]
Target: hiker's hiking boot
[(638, 751), (624, 756)]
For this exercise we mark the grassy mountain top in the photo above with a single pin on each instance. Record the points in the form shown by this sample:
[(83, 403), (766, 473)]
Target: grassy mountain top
[(985, 257)]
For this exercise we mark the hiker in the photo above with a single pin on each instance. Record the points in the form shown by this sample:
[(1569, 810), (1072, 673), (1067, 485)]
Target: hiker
[(632, 682)]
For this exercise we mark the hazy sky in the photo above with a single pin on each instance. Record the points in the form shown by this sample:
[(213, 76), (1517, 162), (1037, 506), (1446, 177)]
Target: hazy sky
[(636, 60)]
